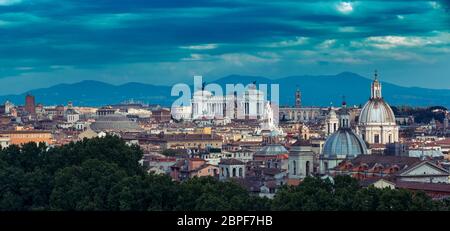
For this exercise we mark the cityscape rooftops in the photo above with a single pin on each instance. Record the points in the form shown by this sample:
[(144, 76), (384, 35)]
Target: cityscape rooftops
[(272, 150), (230, 162)]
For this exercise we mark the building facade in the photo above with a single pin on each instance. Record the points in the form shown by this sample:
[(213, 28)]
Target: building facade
[(30, 105), (298, 113), (20, 137), (249, 104), (331, 122), (231, 168), (301, 160)]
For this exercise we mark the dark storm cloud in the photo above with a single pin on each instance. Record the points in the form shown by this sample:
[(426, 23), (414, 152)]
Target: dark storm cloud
[(43, 35)]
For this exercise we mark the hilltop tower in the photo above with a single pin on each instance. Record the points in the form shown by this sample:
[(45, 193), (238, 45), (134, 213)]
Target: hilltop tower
[(30, 105), (298, 98)]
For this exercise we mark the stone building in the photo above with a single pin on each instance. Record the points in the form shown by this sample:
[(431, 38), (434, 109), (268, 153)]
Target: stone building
[(299, 113), (231, 168), (20, 137), (301, 160), (248, 104), (331, 122)]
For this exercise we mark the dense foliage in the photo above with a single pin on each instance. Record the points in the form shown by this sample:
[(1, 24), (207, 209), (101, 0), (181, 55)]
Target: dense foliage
[(421, 115), (345, 194), (104, 174)]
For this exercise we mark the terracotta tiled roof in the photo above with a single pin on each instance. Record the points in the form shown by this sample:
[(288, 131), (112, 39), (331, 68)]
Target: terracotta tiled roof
[(252, 184), (385, 161), (424, 186), (271, 184), (302, 142), (196, 159), (443, 142), (231, 162), (181, 137), (24, 131), (377, 146), (271, 171), (419, 163)]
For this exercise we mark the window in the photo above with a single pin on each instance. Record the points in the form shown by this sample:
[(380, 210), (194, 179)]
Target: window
[(240, 172), (307, 168), (294, 168), (234, 172), (376, 139)]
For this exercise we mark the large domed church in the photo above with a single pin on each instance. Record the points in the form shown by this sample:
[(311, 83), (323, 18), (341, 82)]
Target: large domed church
[(342, 145), (376, 122), (376, 125)]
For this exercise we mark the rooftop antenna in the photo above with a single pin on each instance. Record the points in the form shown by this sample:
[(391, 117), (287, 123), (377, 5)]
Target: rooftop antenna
[(344, 103), (203, 86)]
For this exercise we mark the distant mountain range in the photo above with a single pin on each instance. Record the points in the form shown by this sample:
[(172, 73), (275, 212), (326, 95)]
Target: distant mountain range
[(316, 91)]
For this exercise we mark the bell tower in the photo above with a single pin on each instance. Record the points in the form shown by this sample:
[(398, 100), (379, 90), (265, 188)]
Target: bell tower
[(298, 98), (376, 87), (344, 116)]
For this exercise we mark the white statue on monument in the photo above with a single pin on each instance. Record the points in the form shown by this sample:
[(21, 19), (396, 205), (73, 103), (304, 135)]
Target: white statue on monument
[(268, 121)]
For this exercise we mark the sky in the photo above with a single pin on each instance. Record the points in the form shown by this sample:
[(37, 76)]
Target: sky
[(163, 42)]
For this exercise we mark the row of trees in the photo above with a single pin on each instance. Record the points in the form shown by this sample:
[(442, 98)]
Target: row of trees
[(104, 174), (421, 115)]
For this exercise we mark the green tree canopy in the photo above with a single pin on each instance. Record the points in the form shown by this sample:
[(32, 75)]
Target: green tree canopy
[(105, 174)]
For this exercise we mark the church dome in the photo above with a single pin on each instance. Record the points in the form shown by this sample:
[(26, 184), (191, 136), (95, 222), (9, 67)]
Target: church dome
[(272, 150), (344, 142), (332, 114), (115, 122), (377, 111)]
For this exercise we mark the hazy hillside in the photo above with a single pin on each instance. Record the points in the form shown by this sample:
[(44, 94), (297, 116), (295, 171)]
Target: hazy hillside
[(316, 90)]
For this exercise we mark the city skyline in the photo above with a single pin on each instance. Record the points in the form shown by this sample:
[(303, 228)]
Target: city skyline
[(50, 42), (249, 107)]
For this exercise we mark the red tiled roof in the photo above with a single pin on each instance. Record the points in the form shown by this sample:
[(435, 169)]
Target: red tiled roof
[(196, 159), (443, 142), (385, 161), (231, 162), (436, 187)]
